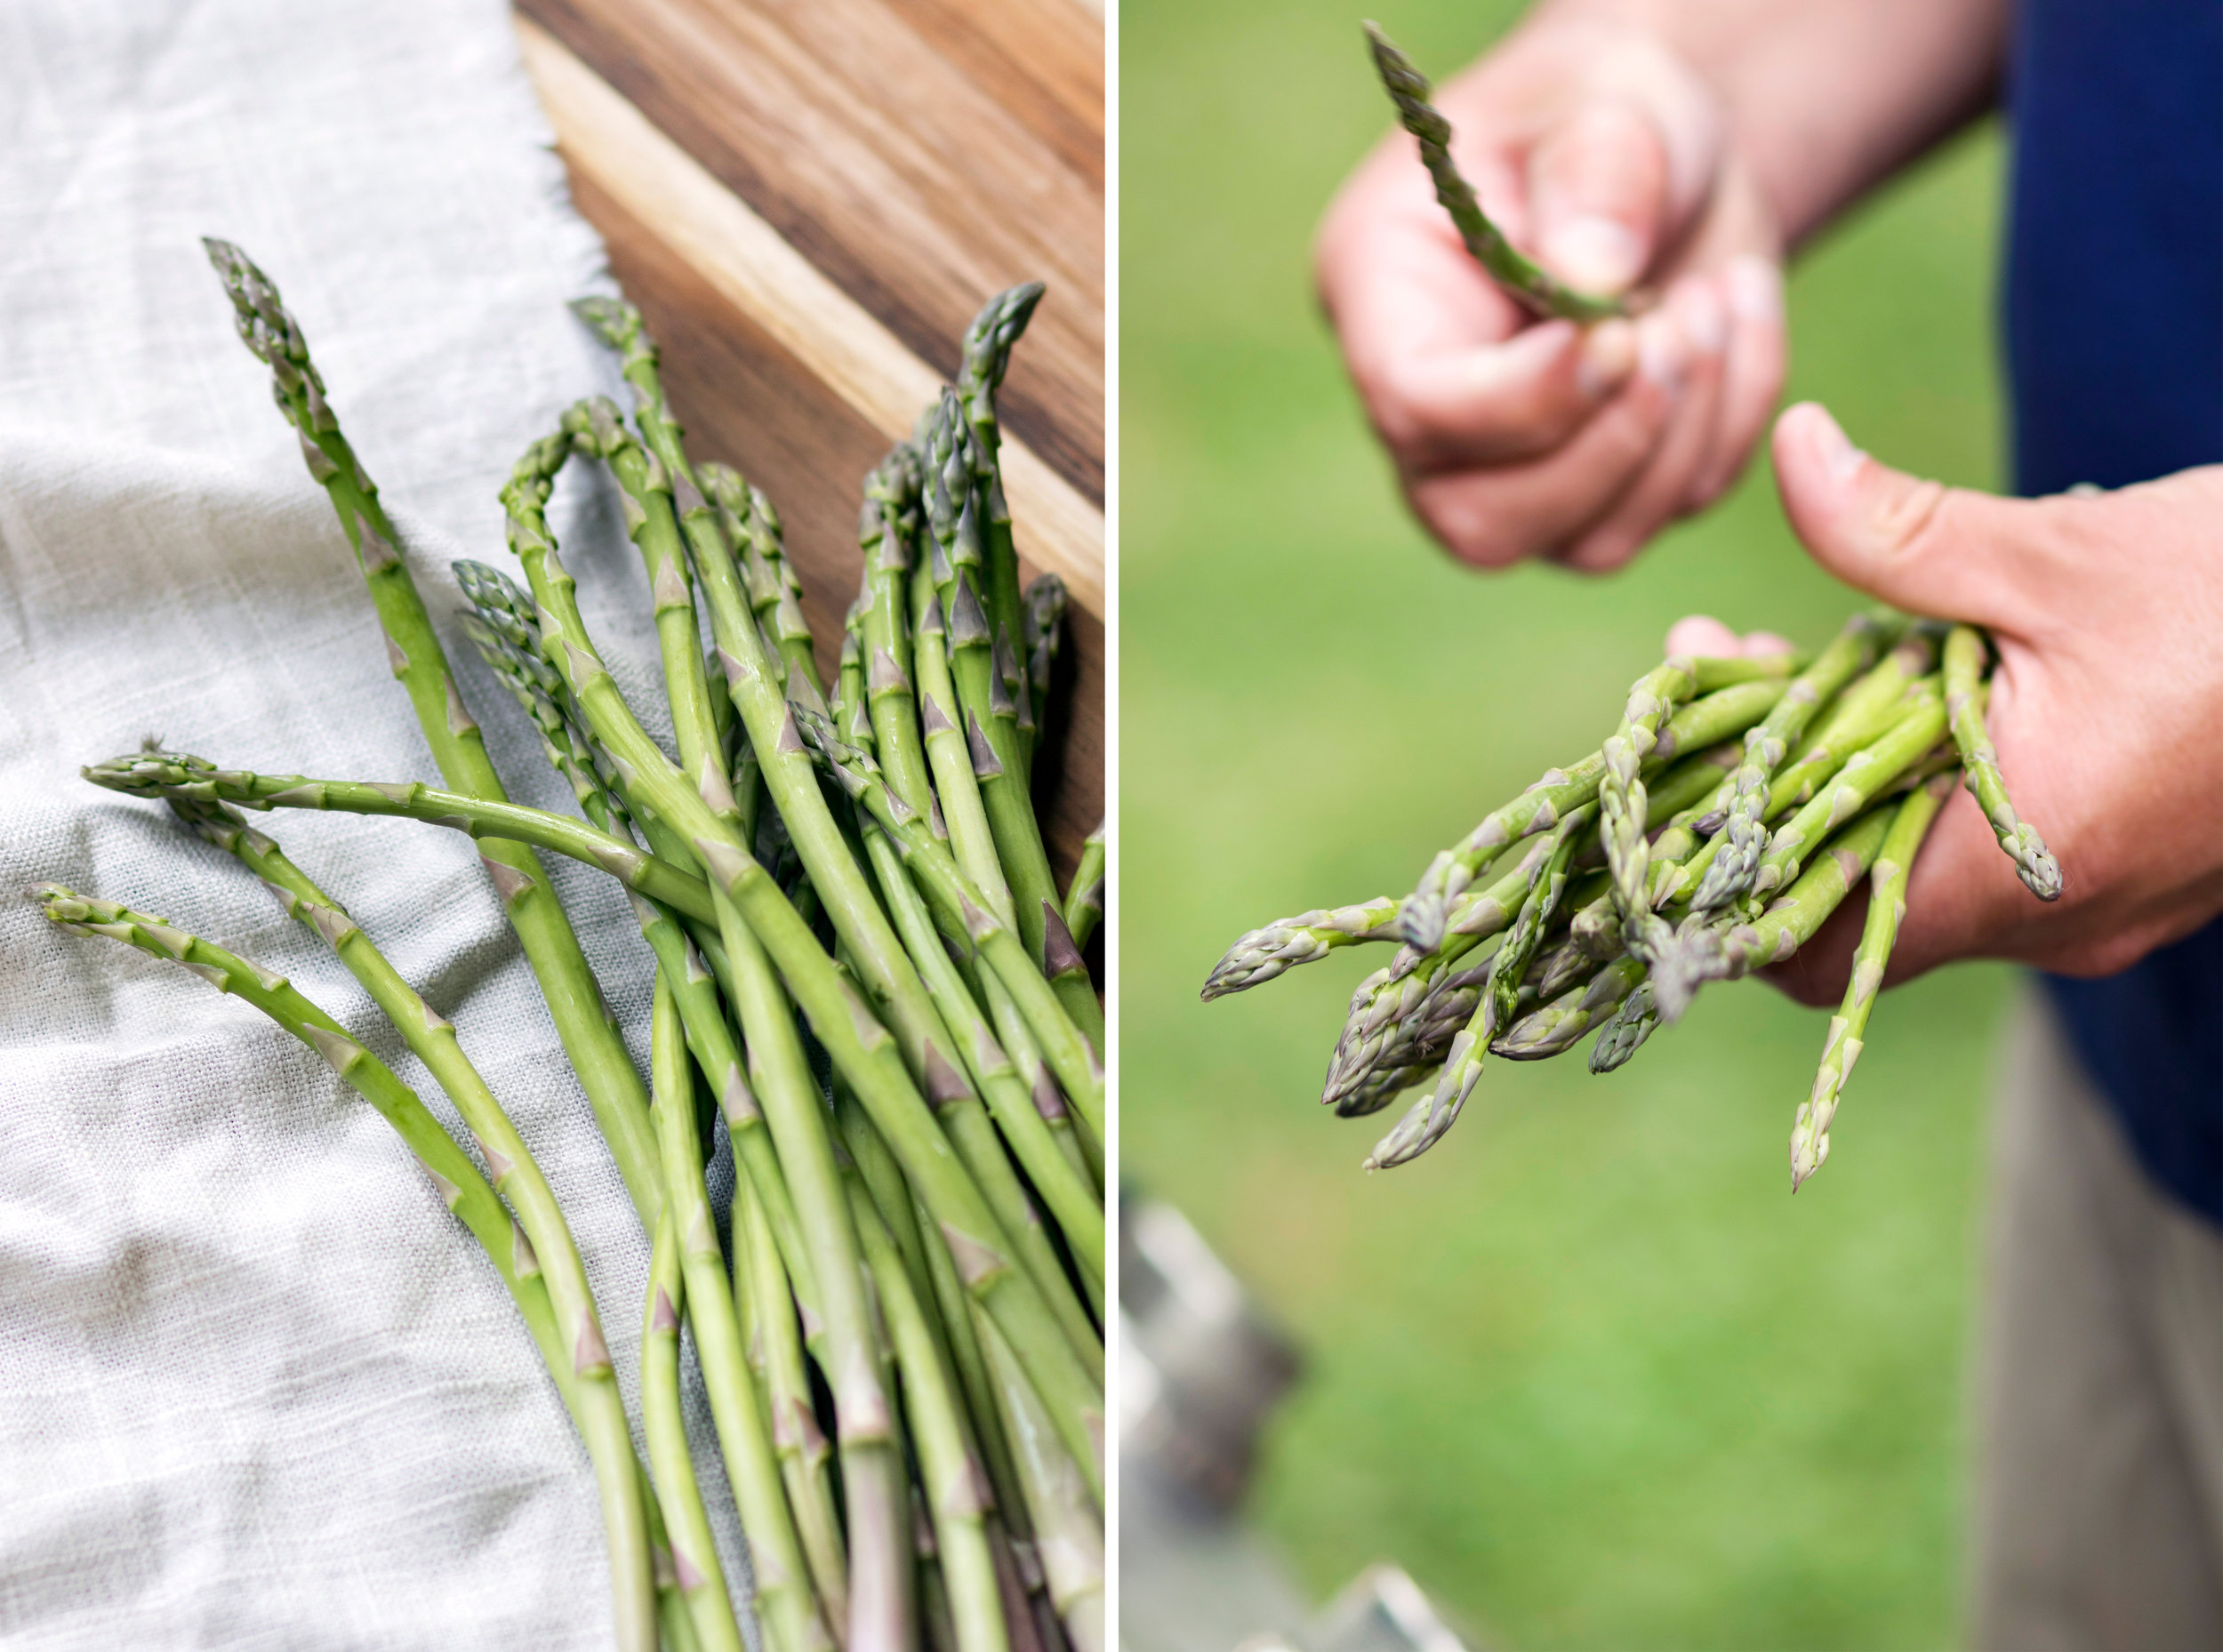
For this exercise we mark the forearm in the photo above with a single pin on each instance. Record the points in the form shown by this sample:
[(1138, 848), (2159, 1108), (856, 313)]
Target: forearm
[(1826, 97)]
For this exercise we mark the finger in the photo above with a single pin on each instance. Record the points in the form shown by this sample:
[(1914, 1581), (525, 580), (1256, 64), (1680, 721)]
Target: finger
[(1696, 317), (1497, 404), (1597, 188), (1751, 377), (1703, 637), (1449, 370), (1497, 515), (1917, 544), (1760, 645)]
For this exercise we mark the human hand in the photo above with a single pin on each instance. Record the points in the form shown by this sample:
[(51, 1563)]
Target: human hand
[(2107, 613), (1597, 150)]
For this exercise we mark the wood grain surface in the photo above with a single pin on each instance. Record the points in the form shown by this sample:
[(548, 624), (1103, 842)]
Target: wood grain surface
[(808, 202)]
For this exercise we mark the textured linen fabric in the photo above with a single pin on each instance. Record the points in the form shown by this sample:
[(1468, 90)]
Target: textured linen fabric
[(258, 1389)]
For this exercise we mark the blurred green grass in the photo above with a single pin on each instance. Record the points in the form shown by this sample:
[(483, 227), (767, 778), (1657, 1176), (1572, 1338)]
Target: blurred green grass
[(1586, 1370)]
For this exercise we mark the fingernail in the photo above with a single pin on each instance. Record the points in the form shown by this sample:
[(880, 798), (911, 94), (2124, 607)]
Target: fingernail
[(1756, 288), (1661, 353), (1608, 353), (1593, 252), (1697, 311), (1838, 455)]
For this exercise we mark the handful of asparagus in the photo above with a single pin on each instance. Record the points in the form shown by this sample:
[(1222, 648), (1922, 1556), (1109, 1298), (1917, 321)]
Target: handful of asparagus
[(1733, 809), (861, 966)]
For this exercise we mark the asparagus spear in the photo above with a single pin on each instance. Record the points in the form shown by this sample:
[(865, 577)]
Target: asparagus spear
[(878, 1066), (1084, 896), (1068, 1529), (761, 1289), (517, 1173), (1044, 619), (962, 910), (1419, 1131), (957, 530), (1767, 743), (985, 356), (1964, 653), (575, 1000), (784, 1604), (1621, 801), (1887, 908), (955, 1488), (1536, 289), (571, 1359), (1721, 711), (697, 1572)]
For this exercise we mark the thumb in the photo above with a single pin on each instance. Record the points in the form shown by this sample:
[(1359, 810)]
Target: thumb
[(1597, 191), (1949, 552)]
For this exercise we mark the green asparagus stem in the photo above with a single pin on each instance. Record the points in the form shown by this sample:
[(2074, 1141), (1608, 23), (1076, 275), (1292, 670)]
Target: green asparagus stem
[(700, 1575), (1706, 721), (874, 1063), (464, 1190), (761, 1286), (1420, 1129), (517, 1173), (986, 358), (1536, 290), (1069, 1532), (1964, 661), (957, 800), (1621, 801), (956, 1490), (1084, 896), (1558, 1026), (1044, 619), (1887, 909), (589, 1038), (785, 1603), (989, 729), (958, 898), (1767, 743)]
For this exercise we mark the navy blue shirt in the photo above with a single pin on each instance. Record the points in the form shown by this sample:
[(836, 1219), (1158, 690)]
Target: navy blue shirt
[(2115, 347)]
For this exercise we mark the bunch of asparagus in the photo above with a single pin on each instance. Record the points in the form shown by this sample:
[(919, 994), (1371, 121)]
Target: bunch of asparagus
[(861, 966), (1734, 808)]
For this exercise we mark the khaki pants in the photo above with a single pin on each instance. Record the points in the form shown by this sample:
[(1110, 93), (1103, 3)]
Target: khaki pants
[(2099, 1497)]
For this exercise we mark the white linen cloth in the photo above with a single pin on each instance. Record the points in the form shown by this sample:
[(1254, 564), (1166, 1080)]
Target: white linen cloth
[(257, 1388)]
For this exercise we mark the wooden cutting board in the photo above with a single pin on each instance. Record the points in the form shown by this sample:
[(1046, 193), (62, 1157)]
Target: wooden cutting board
[(808, 201)]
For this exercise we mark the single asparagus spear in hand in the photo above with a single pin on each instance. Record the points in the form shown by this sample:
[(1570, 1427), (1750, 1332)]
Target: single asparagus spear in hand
[(1537, 290), (1964, 661), (1887, 908)]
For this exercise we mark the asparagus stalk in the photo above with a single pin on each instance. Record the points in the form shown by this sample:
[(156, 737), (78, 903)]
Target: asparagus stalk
[(785, 1603), (517, 1173), (1420, 1129), (956, 1490), (964, 912), (761, 1287), (1621, 801), (1084, 896), (571, 1358), (985, 356), (1964, 660), (1769, 741), (1536, 289), (698, 1573), (871, 1061), (1887, 909), (1721, 711), (989, 731), (1069, 1532), (575, 1000), (1044, 620)]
